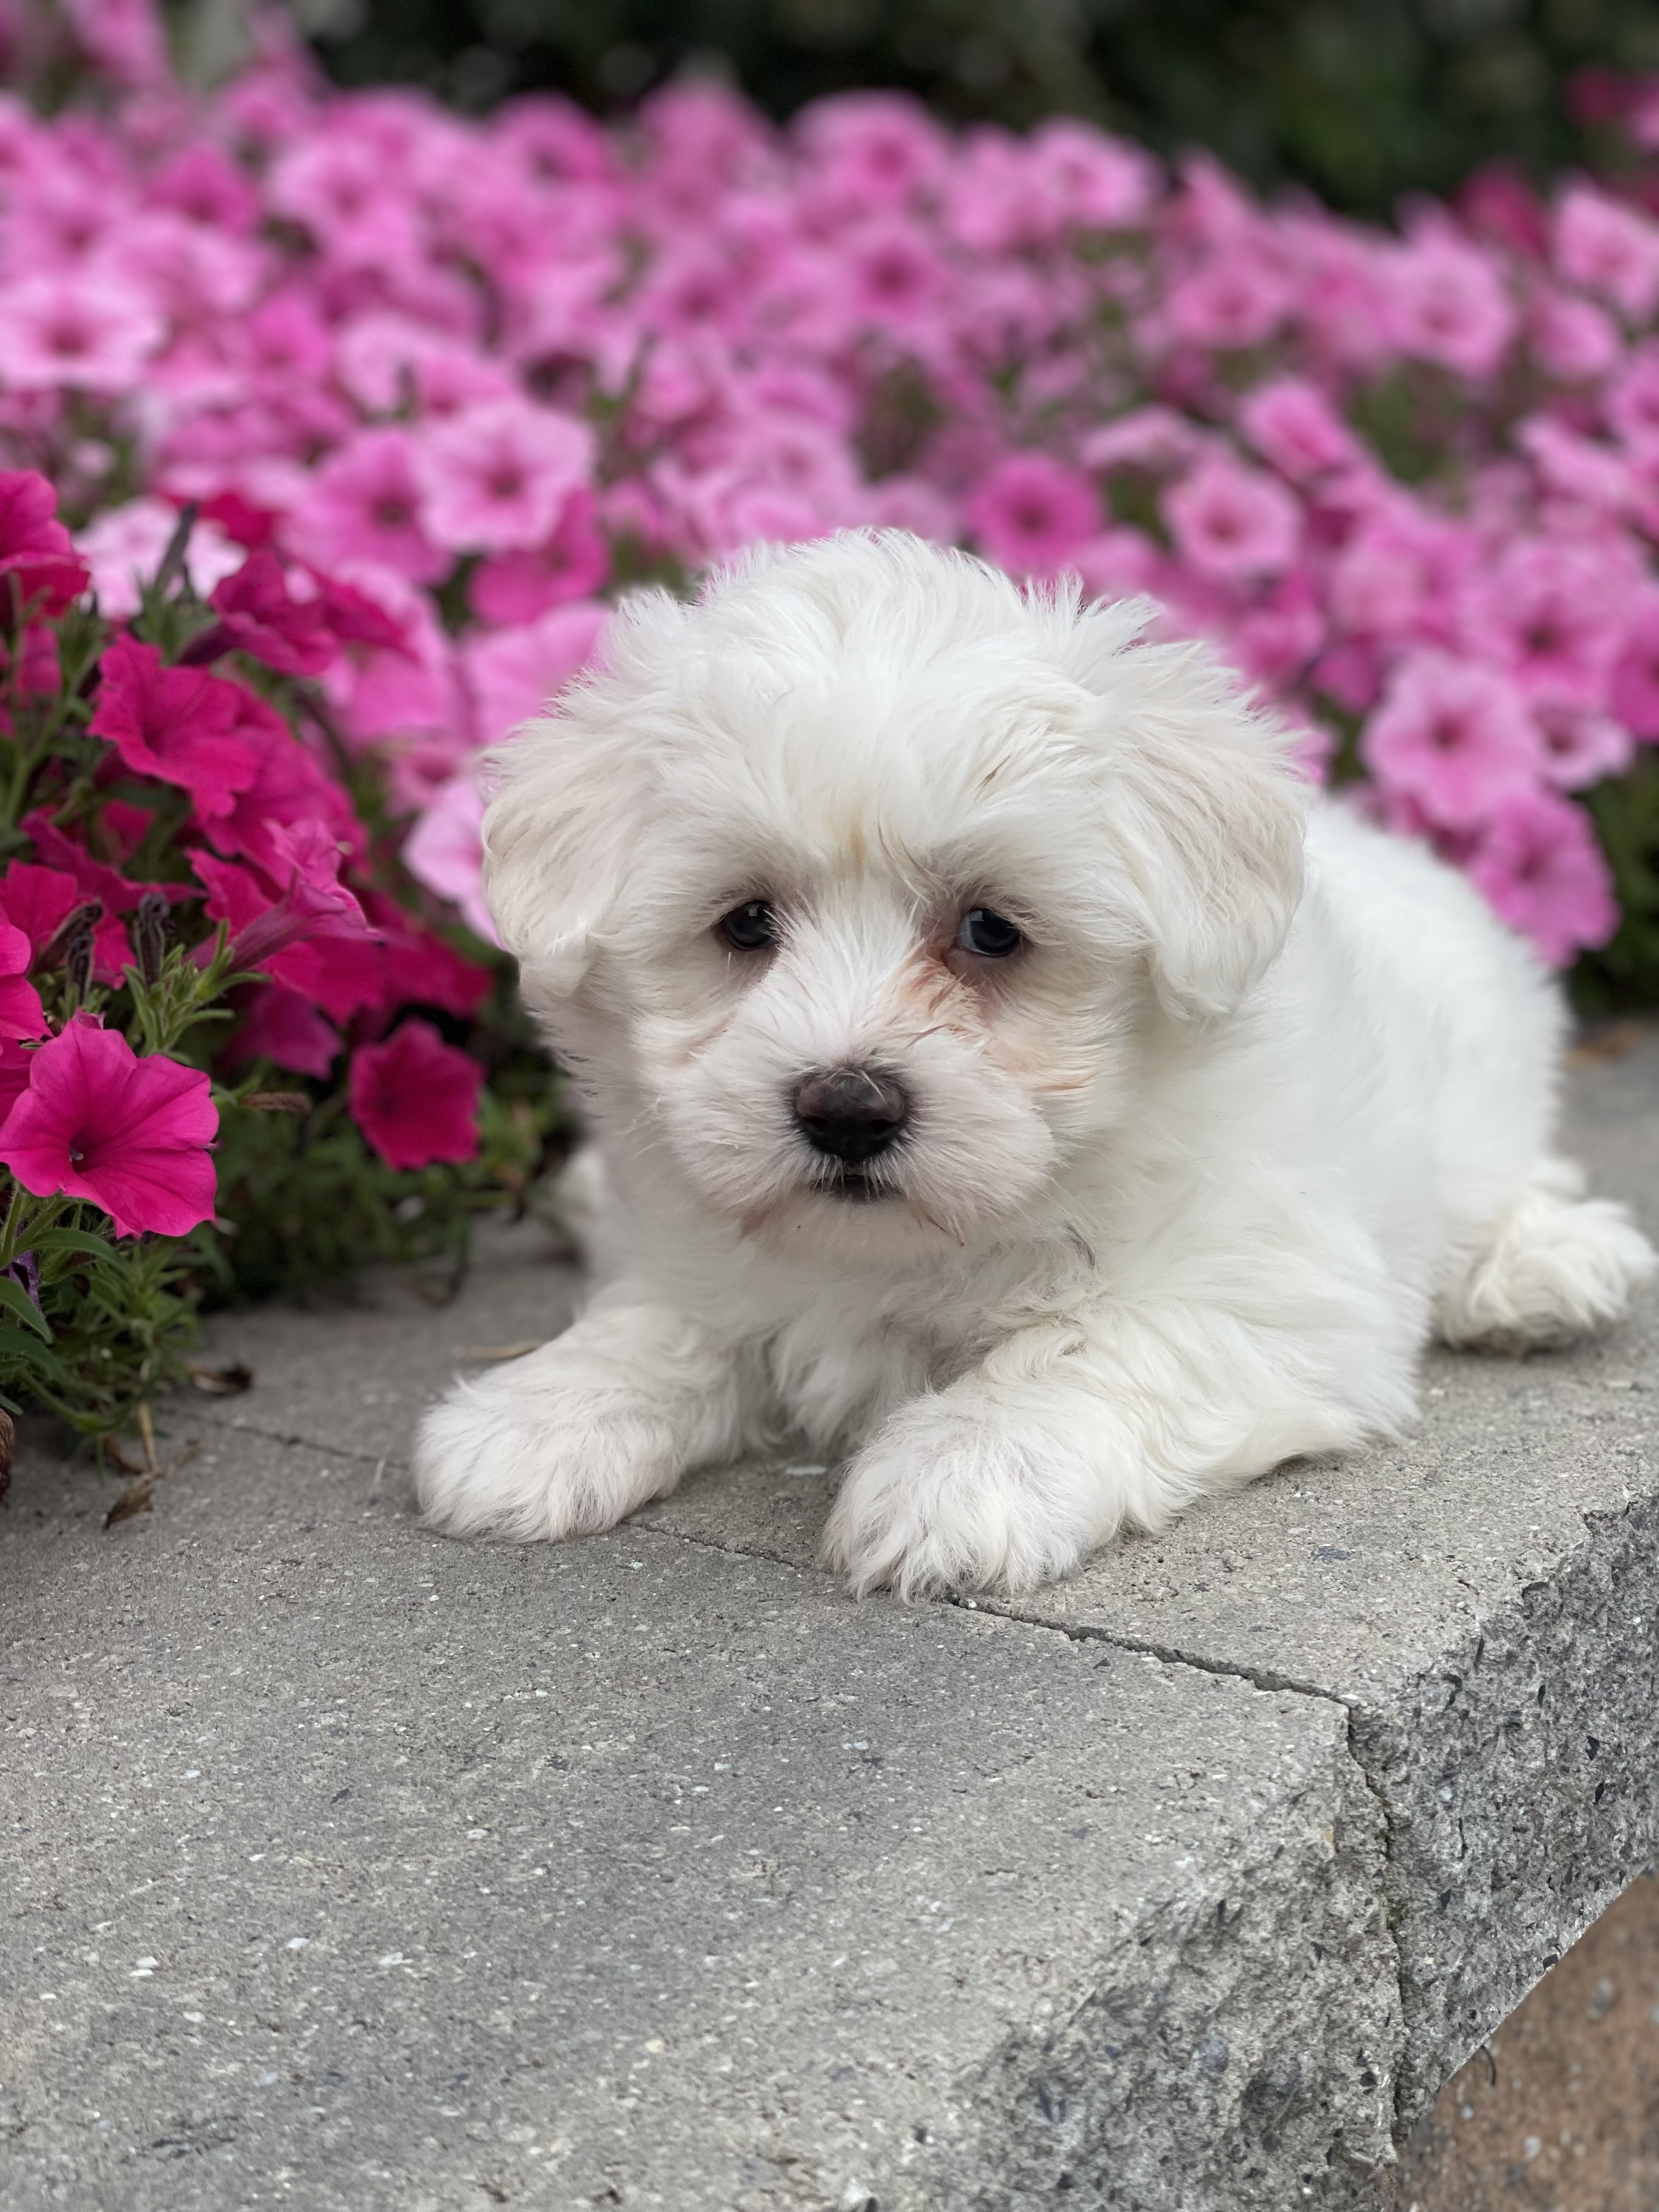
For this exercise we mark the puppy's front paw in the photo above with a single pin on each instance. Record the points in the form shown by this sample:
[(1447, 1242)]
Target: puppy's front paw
[(517, 1456), (946, 1498)]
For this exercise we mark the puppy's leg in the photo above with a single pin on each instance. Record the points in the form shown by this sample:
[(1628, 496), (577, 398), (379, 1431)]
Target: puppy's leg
[(1063, 1434), (1558, 1266), (571, 1437)]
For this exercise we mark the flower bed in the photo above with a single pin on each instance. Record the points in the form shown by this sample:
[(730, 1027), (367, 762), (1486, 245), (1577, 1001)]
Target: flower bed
[(357, 413)]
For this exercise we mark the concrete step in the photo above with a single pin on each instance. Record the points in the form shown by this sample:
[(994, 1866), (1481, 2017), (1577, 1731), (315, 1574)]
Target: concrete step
[(350, 1867)]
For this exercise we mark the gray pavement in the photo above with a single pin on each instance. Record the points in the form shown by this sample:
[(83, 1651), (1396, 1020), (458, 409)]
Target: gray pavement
[(350, 1867)]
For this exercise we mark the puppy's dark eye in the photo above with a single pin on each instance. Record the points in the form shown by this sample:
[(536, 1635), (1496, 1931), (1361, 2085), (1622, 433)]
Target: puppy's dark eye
[(750, 927), (989, 934)]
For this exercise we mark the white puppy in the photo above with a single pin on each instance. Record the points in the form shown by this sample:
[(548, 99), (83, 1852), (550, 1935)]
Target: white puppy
[(1002, 1073)]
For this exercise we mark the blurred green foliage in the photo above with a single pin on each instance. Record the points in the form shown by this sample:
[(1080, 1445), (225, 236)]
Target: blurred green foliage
[(1360, 100)]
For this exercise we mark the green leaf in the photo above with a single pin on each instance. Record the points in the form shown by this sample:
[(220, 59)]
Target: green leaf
[(15, 1345), (71, 1240), (18, 1301)]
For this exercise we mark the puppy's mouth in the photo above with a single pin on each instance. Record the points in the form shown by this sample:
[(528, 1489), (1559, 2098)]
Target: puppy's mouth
[(853, 1186)]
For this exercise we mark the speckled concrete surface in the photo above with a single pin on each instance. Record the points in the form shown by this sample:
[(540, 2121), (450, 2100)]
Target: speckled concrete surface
[(351, 1867)]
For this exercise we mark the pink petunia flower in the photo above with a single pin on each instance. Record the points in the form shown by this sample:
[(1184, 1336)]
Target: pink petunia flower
[(75, 332), (1293, 426), (1608, 248), (1570, 339), (513, 673), (1580, 749), (176, 724), (1030, 514), (521, 586), (1554, 615), (1631, 405), (365, 504), (1448, 304), (126, 1134), (124, 547), (1232, 523), (415, 1098), (1454, 738), (444, 852), (34, 546), (1540, 866), (1633, 693), (495, 478)]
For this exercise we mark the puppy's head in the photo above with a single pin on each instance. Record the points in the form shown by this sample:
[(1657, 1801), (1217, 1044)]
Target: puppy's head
[(855, 884)]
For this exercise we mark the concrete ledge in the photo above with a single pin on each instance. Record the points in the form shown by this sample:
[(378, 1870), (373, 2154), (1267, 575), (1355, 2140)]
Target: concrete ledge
[(348, 1866)]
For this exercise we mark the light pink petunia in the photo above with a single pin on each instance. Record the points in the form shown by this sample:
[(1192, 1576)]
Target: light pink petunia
[(1540, 866), (1233, 524), (129, 1135), (1293, 425), (495, 478), (365, 505), (444, 852), (75, 332), (1454, 738), (1554, 615), (123, 548), (1448, 304), (513, 673), (1030, 514), (1609, 249)]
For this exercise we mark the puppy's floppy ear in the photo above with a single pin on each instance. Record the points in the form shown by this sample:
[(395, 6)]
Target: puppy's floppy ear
[(1207, 812), (553, 851), (568, 796)]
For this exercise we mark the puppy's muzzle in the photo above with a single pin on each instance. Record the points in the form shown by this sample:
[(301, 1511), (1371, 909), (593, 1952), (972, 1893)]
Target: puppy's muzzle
[(851, 1114)]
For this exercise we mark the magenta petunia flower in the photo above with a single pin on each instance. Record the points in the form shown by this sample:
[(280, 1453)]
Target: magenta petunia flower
[(259, 615), (415, 1098), (176, 724), (129, 1135), (1030, 514), (20, 1014), (495, 477), (34, 546), (283, 1026), (1230, 523), (1540, 867), (40, 901), (1457, 738)]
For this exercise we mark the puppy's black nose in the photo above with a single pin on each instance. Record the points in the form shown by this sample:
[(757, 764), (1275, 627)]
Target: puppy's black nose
[(851, 1113)]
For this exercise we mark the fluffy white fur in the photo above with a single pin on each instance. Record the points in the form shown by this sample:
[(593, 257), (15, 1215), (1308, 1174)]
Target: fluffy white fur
[(1190, 1179)]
